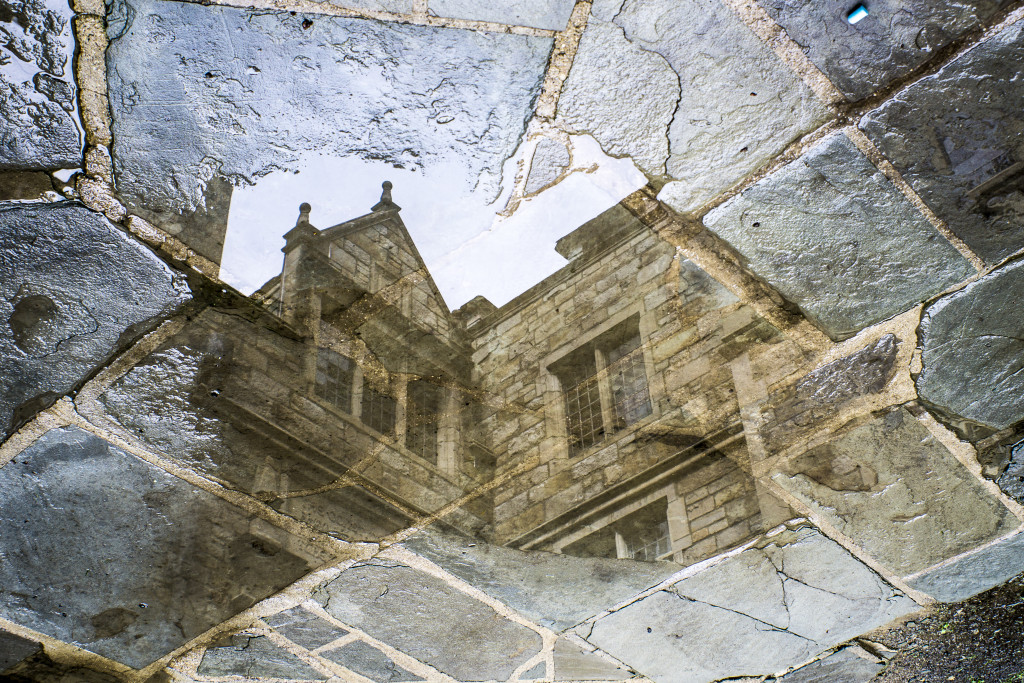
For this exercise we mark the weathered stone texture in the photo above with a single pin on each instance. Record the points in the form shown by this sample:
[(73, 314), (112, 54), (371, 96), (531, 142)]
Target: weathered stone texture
[(303, 628), (255, 657), (366, 660), (849, 665), (973, 351), (429, 620), (758, 613), (974, 573), (958, 139), (896, 37), (898, 493), (38, 129), (252, 92), (550, 14), (833, 235), (798, 409), (573, 663), (663, 58), (550, 161), (1011, 481), (15, 649), (556, 591), (154, 563), (64, 306)]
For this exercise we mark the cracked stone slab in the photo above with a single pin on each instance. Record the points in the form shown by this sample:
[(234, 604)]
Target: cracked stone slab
[(957, 138), (304, 628), (895, 38), (550, 161), (547, 14), (63, 308), (573, 663), (849, 665), (834, 236), (975, 573), (757, 613), (556, 591), (38, 128), (973, 351), (429, 620), (199, 111), (255, 657), (368, 661), (155, 562), (898, 493)]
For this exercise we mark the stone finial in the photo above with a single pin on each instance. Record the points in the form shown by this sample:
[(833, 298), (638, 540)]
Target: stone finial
[(303, 229), (385, 203), (304, 210)]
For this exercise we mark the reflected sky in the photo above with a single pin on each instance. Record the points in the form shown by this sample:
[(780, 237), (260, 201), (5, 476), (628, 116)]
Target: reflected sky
[(468, 247)]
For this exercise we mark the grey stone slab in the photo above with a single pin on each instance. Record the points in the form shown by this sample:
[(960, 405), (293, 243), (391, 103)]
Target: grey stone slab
[(550, 161), (757, 613), (973, 573), (429, 620), (393, 6), (366, 660), (549, 14), (898, 493), (255, 657), (834, 236), (195, 110), (957, 137), (896, 37), (107, 552), (844, 666), (15, 649), (71, 285), (973, 351), (1011, 481), (556, 591), (573, 663), (796, 410), (38, 123), (304, 628)]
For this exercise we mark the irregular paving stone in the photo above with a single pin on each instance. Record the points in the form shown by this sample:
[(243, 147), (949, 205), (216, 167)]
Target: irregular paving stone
[(898, 493), (896, 37), (550, 160), (833, 235), (573, 663), (550, 14), (796, 410), (63, 307), (15, 649), (556, 591), (974, 573), (973, 351), (761, 611), (304, 628), (956, 138), (849, 665), (255, 657), (429, 620), (366, 660), (154, 563), (259, 89), (1011, 481), (608, 70), (37, 93)]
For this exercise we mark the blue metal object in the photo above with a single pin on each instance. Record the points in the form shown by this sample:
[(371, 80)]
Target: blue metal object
[(856, 14)]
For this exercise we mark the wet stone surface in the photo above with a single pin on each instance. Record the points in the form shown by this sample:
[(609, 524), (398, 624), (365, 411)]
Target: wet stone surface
[(255, 657), (833, 235), (368, 661), (797, 410), (548, 14), (664, 57), (896, 37), (757, 613), (15, 649), (973, 573), (38, 128), (956, 137), (555, 591), (849, 665), (157, 561), (303, 628), (898, 493), (550, 161), (973, 351), (63, 309), (573, 663), (436, 621), (197, 111)]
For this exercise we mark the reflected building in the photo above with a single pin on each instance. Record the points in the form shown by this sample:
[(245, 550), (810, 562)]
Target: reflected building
[(596, 412)]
